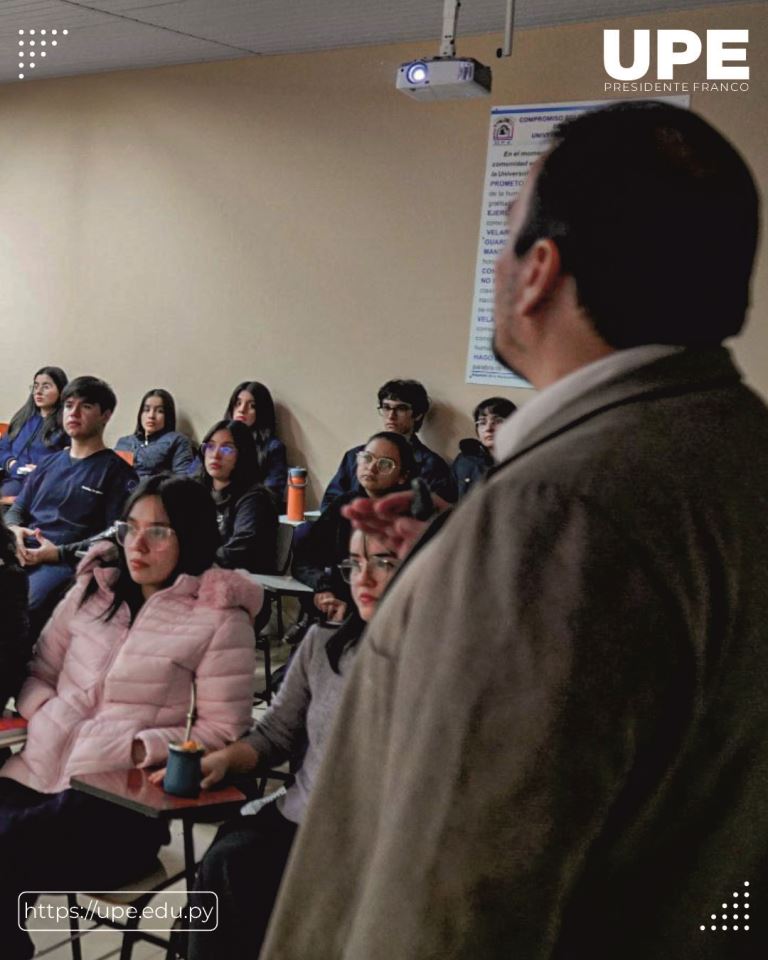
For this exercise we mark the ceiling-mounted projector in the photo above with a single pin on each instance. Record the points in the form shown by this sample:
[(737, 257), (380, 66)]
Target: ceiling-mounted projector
[(444, 78), (448, 77)]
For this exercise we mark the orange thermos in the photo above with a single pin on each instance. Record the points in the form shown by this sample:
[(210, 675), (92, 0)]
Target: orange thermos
[(297, 483)]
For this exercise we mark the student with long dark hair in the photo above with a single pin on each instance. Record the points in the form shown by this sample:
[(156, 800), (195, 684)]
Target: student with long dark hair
[(14, 648), (156, 445), (251, 403), (34, 433), (246, 511), (109, 689)]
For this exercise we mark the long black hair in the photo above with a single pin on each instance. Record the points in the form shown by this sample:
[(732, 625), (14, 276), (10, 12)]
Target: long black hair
[(192, 516), (246, 472), (263, 428), (51, 423), (169, 407)]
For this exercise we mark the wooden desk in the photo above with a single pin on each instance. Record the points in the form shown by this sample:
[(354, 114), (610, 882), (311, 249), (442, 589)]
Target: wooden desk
[(132, 789)]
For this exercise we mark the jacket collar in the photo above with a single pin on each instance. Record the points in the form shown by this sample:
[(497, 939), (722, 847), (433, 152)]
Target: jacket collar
[(674, 374)]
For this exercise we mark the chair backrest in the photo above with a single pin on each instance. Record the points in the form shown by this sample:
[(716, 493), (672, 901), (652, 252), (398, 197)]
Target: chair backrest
[(284, 547), (3, 427)]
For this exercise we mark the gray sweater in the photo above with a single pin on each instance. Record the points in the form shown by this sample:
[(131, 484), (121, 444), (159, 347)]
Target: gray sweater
[(299, 721)]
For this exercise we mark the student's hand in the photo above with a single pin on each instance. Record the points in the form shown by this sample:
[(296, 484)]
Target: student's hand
[(22, 552), (157, 776), (389, 519), (47, 552), (330, 606), (215, 767)]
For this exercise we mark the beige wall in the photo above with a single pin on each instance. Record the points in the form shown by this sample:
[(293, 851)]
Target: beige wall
[(291, 219)]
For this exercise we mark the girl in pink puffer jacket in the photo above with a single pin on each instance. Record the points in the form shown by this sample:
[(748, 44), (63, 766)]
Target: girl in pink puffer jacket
[(109, 689)]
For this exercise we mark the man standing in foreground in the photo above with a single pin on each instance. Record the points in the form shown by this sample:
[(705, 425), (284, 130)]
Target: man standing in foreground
[(554, 743)]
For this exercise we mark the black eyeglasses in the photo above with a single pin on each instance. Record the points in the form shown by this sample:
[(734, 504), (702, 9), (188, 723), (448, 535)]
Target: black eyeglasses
[(379, 567), (397, 408)]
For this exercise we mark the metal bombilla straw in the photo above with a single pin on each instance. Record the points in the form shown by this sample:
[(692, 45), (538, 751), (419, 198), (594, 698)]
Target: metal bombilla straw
[(192, 712)]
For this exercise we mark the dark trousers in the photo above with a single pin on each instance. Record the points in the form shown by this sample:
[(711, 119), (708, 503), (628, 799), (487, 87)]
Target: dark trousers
[(244, 866), (65, 841)]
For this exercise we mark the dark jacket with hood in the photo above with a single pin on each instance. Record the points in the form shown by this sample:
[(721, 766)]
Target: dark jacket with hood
[(473, 462)]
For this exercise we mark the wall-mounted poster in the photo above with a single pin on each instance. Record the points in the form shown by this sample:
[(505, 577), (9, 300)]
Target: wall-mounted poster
[(517, 136)]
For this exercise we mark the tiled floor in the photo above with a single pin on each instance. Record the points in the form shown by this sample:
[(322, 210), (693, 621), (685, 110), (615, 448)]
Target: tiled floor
[(101, 943)]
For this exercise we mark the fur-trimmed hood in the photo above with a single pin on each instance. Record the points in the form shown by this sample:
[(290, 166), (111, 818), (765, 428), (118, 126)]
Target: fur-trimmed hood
[(216, 588)]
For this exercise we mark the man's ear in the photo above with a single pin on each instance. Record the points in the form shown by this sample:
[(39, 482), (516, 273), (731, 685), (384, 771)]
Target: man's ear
[(540, 275), (106, 417)]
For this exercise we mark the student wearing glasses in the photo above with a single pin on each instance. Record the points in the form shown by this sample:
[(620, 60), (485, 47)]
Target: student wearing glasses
[(109, 689), (403, 404), (34, 433), (155, 444), (476, 456), (384, 465), (245, 863), (246, 511)]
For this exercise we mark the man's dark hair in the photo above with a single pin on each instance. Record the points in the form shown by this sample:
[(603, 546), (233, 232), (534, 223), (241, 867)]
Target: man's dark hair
[(655, 215), (91, 389), (407, 391), (495, 406)]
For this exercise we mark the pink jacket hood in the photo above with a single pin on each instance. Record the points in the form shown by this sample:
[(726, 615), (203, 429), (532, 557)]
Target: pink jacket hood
[(216, 587), (97, 686)]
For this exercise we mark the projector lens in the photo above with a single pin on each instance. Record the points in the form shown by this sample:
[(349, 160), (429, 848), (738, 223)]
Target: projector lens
[(416, 73)]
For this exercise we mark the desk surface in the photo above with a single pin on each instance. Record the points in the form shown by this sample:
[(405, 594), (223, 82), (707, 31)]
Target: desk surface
[(132, 789), (281, 584)]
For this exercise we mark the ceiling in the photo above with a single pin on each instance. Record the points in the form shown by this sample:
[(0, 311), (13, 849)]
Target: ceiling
[(134, 34)]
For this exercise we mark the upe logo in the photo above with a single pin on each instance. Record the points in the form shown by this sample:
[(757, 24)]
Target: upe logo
[(675, 48)]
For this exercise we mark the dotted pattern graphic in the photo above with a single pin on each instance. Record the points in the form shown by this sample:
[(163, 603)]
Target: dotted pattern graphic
[(33, 44), (739, 917)]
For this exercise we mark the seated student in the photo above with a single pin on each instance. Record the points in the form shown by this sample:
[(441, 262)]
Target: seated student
[(476, 456), (384, 465), (156, 445), (34, 433), (109, 689), (403, 404), (246, 861), (75, 495), (246, 511), (14, 647), (251, 403)]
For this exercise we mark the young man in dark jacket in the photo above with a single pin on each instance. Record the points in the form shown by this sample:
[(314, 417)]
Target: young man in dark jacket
[(475, 457), (403, 404), (74, 495)]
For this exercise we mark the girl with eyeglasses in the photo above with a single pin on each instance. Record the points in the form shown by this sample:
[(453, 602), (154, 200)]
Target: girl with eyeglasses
[(386, 464), (475, 457), (35, 432), (246, 511), (155, 445), (251, 403), (245, 863), (109, 689)]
